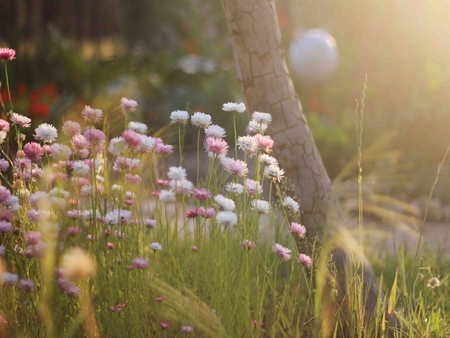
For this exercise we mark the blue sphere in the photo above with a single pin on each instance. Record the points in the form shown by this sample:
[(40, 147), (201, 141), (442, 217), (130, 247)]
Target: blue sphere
[(313, 57)]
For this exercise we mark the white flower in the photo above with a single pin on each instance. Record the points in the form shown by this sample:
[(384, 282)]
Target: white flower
[(86, 190), (80, 168), (273, 172), (167, 196), (262, 117), (147, 143), (234, 106), (247, 144), (257, 127), (116, 188), (234, 188), (261, 206), (201, 120), (58, 192), (182, 187), (88, 215), (252, 187), (60, 152), (215, 131), (289, 203), (46, 132), (130, 194), (176, 173), (117, 146), (179, 116), (128, 105), (117, 216), (156, 246), (38, 198), (227, 218), (100, 179), (267, 159), (9, 278), (92, 114), (138, 127), (226, 204)]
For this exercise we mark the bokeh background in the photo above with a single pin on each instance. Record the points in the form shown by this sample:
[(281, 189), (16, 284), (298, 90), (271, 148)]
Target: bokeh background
[(176, 54)]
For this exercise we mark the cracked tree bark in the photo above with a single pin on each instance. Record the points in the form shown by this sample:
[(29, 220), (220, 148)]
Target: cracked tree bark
[(266, 86)]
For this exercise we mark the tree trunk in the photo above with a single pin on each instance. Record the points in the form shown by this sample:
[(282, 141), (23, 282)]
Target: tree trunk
[(266, 86)]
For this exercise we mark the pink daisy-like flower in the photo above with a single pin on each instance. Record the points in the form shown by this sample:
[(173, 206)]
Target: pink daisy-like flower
[(247, 244), (164, 149), (132, 138), (4, 125), (186, 329), (79, 142), (150, 223), (236, 167), (33, 151), (297, 229), (26, 285), (202, 194), (139, 263), (73, 231), (305, 260), (128, 105), (164, 324), (71, 128), (264, 142), (7, 54), (91, 114), (194, 248), (33, 237), (94, 136), (5, 226), (216, 146), (133, 179), (20, 120), (191, 213), (252, 187), (4, 164), (281, 251)]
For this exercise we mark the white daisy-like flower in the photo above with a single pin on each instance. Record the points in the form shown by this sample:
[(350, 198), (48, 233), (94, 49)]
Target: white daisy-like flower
[(234, 106), (117, 146), (260, 206), (227, 218), (256, 127), (179, 116), (88, 215), (20, 120), (46, 133), (60, 152), (116, 188), (215, 131), (167, 196), (234, 188), (289, 203), (176, 173), (138, 127), (262, 117), (155, 246), (267, 159), (147, 143), (182, 187), (225, 203), (273, 172), (86, 190), (80, 168), (201, 120), (247, 144)]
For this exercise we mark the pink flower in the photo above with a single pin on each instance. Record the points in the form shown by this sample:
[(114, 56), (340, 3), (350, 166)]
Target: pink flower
[(207, 213), (110, 245), (20, 120), (128, 105), (297, 229), (164, 149), (252, 187), (91, 114), (40, 249), (132, 138), (247, 244), (4, 164), (79, 142), (264, 142), (164, 324), (236, 167), (186, 329), (281, 251), (7, 54), (4, 125), (305, 260), (71, 128), (33, 237), (160, 299), (5, 226), (202, 194), (161, 182), (33, 151), (194, 248), (73, 231), (139, 263), (191, 213), (133, 179), (94, 136), (150, 223), (216, 146)]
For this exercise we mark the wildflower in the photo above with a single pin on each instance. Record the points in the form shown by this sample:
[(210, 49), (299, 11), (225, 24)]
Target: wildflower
[(7, 54), (420, 277), (297, 229), (201, 120), (262, 117), (207, 213), (26, 285), (164, 324), (94, 136), (167, 196), (80, 168), (234, 188), (247, 144), (215, 131), (147, 144), (179, 116), (164, 149), (216, 146), (5, 226), (71, 128), (194, 248), (33, 237), (191, 213), (156, 246), (150, 223), (20, 120), (9, 278), (161, 182), (256, 127), (290, 204), (182, 187), (4, 126), (73, 231), (160, 299), (133, 179), (236, 167), (176, 173), (234, 106), (33, 151), (117, 146), (260, 206), (305, 260), (91, 114), (60, 152), (128, 105), (132, 138), (267, 159), (225, 203), (139, 263), (123, 163), (281, 251), (46, 132), (109, 245), (273, 172), (4, 164), (247, 244), (186, 329), (4, 194), (433, 283), (202, 194), (252, 187), (264, 142), (138, 127), (227, 218)]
